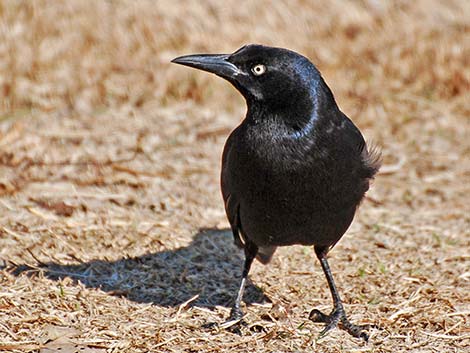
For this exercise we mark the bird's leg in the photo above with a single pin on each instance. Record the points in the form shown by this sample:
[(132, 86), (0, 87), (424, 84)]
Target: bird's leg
[(236, 314), (338, 316)]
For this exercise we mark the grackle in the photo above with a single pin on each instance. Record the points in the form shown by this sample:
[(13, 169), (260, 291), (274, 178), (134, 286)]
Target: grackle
[(295, 170)]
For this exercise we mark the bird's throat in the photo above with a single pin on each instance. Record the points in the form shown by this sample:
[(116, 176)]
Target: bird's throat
[(283, 122)]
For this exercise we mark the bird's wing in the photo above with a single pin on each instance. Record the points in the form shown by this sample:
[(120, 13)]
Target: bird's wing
[(370, 157), (354, 136), (231, 202)]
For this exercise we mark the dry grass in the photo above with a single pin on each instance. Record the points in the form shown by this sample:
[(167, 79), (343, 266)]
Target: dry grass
[(112, 230)]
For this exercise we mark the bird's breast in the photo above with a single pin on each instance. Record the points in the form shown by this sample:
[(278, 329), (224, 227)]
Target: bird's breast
[(289, 190)]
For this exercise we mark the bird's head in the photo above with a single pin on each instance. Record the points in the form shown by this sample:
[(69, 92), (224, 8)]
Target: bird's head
[(274, 77)]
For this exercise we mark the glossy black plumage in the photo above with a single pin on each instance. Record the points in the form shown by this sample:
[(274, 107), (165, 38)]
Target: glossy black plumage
[(296, 169)]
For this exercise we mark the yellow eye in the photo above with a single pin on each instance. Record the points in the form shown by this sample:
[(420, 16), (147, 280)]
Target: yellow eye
[(258, 70)]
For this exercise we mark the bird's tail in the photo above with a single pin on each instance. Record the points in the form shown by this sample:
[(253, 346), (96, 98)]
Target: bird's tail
[(372, 157)]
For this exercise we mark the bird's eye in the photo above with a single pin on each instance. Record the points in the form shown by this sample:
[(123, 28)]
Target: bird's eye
[(258, 70)]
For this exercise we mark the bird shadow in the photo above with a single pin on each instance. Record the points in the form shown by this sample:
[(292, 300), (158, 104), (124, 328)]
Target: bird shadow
[(209, 267)]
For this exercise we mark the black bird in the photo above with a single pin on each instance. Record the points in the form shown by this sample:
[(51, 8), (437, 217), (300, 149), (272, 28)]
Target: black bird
[(296, 169)]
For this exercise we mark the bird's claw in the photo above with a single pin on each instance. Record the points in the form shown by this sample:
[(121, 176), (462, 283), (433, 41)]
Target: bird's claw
[(236, 313), (317, 316), (235, 318), (358, 331), (210, 325), (338, 318), (230, 323)]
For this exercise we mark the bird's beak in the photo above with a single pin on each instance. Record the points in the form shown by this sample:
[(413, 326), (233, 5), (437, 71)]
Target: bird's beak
[(215, 63)]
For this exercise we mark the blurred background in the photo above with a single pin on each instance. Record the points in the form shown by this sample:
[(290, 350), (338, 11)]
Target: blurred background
[(86, 55), (109, 152)]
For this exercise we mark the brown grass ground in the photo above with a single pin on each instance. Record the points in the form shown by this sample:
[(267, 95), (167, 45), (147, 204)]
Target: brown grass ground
[(112, 230)]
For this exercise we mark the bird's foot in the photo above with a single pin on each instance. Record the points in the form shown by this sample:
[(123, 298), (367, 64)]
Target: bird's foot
[(235, 318), (233, 323), (338, 318)]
